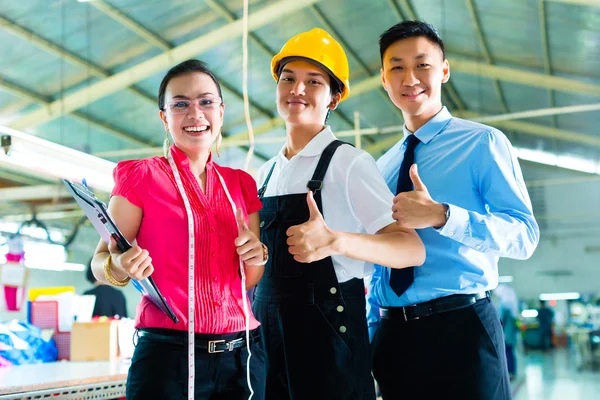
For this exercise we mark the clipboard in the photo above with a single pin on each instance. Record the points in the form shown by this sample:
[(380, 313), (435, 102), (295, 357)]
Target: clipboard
[(97, 213)]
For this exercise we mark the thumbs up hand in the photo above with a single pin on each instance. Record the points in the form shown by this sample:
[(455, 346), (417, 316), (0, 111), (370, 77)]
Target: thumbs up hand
[(249, 247), (416, 209), (312, 240)]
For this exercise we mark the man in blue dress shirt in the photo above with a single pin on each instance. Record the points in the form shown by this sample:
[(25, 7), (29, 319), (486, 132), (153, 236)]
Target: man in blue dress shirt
[(435, 334)]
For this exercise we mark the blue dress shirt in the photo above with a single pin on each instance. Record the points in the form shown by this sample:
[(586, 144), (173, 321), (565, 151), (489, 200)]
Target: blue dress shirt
[(471, 168)]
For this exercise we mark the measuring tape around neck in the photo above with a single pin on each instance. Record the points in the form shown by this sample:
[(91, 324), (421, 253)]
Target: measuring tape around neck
[(191, 282)]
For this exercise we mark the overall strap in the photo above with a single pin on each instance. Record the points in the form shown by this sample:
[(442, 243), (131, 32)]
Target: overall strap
[(316, 183), (263, 189)]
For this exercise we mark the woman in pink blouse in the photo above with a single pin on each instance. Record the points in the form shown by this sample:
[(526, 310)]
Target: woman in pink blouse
[(178, 208)]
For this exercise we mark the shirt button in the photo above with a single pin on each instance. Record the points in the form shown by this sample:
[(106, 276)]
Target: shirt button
[(343, 329), (450, 233), (478, 246), (262, 223), (340, 308), (215, 279), (213, 229), (333, 290)]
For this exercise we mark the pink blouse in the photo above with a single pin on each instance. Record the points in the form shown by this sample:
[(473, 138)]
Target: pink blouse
[(150, 185)]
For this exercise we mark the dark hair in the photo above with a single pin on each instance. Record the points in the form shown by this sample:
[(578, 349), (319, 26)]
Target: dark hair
[(409, 29), (185, 67), (89, 274)]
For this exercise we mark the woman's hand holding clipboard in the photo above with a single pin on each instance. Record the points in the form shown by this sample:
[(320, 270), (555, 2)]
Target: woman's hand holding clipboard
[(135, 262)]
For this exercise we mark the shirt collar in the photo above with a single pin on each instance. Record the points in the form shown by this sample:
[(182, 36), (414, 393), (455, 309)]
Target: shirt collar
[(182, 160), (432, 127), (316, 146)]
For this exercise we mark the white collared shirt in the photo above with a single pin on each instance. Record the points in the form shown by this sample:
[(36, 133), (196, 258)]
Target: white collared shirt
[(355, 196)]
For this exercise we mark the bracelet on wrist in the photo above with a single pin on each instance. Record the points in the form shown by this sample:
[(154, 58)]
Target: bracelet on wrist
[(109, 276)]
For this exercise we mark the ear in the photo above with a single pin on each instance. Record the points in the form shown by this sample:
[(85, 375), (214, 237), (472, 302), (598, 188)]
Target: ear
[(383, 83), (335, 100), (445, 71), (163, 117), (222, 111)]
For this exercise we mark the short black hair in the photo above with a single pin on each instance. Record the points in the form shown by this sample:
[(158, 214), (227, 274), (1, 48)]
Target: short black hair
[(89, 274), (185, 67), (409, 29)]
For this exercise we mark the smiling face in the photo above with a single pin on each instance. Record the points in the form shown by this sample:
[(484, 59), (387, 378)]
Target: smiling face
[(412, 74), (193, 112), (304, 93)]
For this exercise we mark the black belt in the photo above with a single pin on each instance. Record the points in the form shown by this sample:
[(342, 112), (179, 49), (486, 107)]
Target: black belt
[(433, 307), (212, 346)]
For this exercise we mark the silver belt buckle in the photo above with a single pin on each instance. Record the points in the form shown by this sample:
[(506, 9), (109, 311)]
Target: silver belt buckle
[(406, 319), (212, 346)]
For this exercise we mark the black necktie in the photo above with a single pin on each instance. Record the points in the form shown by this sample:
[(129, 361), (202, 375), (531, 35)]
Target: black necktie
[(401, 279)]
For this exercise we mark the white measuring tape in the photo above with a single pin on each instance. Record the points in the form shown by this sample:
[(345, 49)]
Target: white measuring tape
[(191, 283)]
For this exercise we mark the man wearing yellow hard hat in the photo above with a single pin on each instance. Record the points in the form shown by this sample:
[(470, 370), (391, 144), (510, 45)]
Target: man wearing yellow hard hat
[(326, 210)]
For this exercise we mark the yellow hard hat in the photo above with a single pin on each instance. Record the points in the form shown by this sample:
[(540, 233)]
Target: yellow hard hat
[(318, 46)]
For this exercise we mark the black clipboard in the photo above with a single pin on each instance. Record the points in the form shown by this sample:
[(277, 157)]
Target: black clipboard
[(97, 213)]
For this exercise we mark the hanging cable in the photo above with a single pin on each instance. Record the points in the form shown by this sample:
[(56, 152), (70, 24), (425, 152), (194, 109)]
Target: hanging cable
[(245, 86), (245, 300), (88, 147)]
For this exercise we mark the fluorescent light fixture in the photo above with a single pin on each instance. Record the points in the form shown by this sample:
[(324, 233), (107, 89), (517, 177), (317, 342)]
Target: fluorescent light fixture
[(39, 157), (529, 313), (505, 279), (562, 161), (560, 296)]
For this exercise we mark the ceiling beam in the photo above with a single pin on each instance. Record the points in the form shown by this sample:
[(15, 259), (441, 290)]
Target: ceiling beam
[(327, 24), (527, 78), (130, 24), (541, 112), (486, 53), (590, 3), (159, 42), (34, 193), (71, 58), (224, 12), (527, 128), (136, 73), (45, 102)]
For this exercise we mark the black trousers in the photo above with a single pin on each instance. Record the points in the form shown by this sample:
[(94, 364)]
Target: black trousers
[(308, 357), (454, 355), (159, 371)]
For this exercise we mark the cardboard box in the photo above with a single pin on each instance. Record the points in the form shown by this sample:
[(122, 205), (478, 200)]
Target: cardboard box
[(94, 341)]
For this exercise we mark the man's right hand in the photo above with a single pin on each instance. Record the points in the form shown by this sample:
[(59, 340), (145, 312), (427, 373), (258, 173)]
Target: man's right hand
[(135, 262)]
